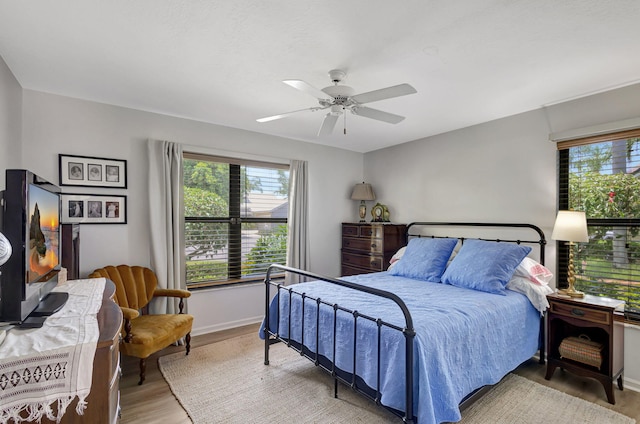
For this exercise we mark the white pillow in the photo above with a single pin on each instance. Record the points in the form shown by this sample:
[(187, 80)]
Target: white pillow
[(536, 293), (534, 271), (396, 257)]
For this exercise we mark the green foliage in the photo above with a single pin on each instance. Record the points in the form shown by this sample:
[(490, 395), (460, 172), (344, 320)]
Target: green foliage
[(205, 271), (590, 193), (203, 238), (283, 179), (270, 248), (209, 176)]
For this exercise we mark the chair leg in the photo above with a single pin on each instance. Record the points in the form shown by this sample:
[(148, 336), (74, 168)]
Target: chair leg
[(187, 340), (143, 369)]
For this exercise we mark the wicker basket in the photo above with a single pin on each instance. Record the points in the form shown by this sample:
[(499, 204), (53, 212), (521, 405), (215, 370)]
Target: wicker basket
[(582, 349)]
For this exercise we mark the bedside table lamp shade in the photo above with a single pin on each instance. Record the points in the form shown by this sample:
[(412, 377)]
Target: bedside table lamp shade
[(363, 192), (571, 226)]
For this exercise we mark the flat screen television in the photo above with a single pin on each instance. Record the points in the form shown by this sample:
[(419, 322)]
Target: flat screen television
[(31, 223)]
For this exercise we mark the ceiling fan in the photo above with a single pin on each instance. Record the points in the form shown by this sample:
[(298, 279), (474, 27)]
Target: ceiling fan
[(340, 98)]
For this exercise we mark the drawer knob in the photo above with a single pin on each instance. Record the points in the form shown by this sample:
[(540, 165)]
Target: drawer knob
[(373, 245), (577, 312)]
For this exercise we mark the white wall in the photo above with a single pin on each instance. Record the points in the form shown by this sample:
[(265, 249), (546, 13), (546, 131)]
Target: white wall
[(10, 120), (500, 171), (54, 124)]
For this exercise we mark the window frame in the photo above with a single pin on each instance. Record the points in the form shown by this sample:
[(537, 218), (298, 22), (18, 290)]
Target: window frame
[(235, 220), (562, 248)]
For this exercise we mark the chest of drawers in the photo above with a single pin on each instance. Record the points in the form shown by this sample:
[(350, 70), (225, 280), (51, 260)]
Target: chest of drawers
[(368, 247)]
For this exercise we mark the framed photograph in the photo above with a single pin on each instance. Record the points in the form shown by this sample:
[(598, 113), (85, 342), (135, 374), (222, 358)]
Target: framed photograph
[(92, 172), (93, 209)]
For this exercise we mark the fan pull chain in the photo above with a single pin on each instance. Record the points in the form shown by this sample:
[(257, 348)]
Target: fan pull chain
[(344, 112)]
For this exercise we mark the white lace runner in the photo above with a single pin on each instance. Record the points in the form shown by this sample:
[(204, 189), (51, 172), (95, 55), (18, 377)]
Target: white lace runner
[(43, 370)]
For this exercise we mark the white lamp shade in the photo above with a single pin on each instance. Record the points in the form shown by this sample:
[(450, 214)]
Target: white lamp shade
[(363, 191), (571, 226)]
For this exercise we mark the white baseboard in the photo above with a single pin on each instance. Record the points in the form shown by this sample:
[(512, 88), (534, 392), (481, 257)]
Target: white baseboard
[(631, 384), (197, 331)]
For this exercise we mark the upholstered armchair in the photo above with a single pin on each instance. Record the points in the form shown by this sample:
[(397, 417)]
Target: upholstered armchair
[(144, 334)]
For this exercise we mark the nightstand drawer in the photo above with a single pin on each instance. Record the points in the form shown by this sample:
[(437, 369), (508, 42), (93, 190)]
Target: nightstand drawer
[(373, 263), (585, 314), (362, 244)]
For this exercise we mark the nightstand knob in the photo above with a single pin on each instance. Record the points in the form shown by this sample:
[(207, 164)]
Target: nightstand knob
[(577, 312)]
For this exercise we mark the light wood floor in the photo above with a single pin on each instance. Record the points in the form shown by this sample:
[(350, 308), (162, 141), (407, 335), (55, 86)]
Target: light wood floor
[(153, 402)]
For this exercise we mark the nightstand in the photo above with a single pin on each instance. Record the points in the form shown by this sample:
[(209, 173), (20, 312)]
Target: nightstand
[(368, 247), (594, 318)]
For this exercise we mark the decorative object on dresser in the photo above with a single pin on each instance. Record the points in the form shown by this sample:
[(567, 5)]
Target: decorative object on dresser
[(363, 192), (369, 247), (379, 213), (571, 226), (144, 333), (586, 337)]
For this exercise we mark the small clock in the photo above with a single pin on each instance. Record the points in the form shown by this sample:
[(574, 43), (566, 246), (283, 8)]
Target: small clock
[(379, 213)]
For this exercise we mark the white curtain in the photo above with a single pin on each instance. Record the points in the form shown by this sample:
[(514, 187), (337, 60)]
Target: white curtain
[(298, 221), (166, 220)]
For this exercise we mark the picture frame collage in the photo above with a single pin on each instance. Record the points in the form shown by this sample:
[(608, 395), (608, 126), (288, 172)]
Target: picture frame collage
[(86, 171)]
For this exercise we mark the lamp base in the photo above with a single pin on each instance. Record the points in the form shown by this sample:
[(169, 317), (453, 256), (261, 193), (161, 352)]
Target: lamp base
[(362, 211), (571, 292)]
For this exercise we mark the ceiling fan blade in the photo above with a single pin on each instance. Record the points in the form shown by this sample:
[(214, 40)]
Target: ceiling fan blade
[(284, 115), (379, 115), (328, 124), (308, 88), (384, 93)]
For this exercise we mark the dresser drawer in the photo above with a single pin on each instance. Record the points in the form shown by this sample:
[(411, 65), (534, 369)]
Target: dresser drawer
[(585, 314), (366, 231), (373, 263), (363, 245)]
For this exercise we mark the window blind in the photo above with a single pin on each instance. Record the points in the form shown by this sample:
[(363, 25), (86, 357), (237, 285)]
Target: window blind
[(235, 218), (600, 175)]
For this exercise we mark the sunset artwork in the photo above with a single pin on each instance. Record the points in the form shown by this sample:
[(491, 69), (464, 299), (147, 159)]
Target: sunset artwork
[(43, 232)]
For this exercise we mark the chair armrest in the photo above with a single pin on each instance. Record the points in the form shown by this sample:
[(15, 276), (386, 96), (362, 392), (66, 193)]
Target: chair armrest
[(129, 313), (183, 294)]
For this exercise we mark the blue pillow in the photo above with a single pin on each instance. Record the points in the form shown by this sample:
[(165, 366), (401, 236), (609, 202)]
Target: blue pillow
[(485, 265), (425, 259)]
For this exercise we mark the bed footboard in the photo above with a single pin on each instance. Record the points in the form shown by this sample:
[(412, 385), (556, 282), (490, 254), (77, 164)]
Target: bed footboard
[(349, 377)]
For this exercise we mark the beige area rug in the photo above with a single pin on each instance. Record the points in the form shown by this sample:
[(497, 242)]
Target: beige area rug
[(227, 382)]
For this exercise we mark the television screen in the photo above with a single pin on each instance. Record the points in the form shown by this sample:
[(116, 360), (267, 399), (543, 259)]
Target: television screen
[(44, 232)]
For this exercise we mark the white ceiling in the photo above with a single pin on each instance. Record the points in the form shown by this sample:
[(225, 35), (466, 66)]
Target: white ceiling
[(222, 62)]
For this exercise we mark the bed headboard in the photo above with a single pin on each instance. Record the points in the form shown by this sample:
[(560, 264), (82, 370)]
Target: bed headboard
[(488, 231)]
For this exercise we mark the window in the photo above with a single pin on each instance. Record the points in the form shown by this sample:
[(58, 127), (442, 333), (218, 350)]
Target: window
[(235, 218), (601, 176)]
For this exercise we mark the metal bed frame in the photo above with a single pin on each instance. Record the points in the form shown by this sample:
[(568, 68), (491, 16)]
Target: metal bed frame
[(350, 377)]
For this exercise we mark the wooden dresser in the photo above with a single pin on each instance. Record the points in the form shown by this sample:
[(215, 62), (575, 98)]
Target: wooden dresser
[(368, 247), (103, 402)]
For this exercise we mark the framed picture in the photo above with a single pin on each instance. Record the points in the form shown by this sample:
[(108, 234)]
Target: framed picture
[(92, 172), (93, 209)]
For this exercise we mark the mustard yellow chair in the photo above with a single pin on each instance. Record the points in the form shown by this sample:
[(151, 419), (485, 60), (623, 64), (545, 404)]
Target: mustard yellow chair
[(144, 334)]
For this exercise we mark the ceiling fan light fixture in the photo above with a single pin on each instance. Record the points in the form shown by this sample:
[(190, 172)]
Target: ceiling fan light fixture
[(338, 98)]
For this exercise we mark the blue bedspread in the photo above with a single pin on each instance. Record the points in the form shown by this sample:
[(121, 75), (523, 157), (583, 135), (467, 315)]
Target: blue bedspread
[(465, 339)]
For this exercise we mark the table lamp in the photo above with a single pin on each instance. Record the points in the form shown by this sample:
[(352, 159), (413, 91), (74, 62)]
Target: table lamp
[(571, 226), (363, 192)]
